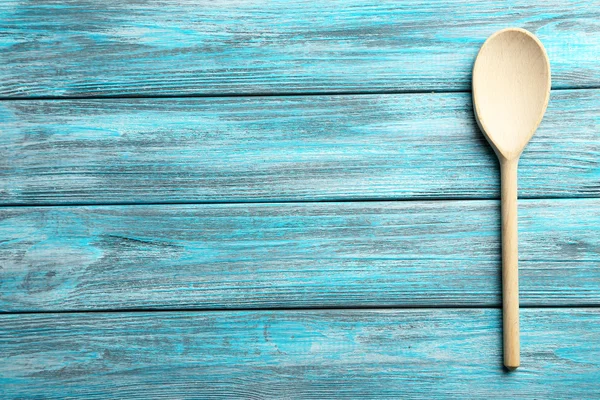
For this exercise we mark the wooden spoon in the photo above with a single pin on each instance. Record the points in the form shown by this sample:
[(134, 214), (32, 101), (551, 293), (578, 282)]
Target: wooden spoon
[(511, 87)]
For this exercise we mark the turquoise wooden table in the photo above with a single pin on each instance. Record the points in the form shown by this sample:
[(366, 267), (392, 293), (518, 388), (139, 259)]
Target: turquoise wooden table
[(287, 199)]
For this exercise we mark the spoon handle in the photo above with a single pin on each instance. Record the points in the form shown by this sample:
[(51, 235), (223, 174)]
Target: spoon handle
[(510, 260)]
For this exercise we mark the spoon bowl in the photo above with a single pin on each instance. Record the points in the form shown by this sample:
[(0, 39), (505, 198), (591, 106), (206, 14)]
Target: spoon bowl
[(511, 88)]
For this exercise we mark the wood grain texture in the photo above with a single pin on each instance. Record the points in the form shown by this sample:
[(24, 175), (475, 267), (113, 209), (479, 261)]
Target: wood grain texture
[(284, 148), (293, 255), (177, 47), (298, 354)]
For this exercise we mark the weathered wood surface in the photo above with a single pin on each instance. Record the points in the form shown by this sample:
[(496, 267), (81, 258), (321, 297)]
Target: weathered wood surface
[(282, 150), (298, 354), (294, 255), (176, 47), (410, 146)]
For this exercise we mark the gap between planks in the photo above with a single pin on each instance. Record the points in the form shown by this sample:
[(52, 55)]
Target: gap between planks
[(265, 94), (293, 309), (283, 201)]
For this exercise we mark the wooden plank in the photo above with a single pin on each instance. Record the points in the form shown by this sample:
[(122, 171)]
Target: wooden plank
[(184, 47), (294, 255), (299, 354), (284, 148)]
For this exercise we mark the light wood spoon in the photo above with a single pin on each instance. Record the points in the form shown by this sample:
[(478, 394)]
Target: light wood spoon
[(511, 88)]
